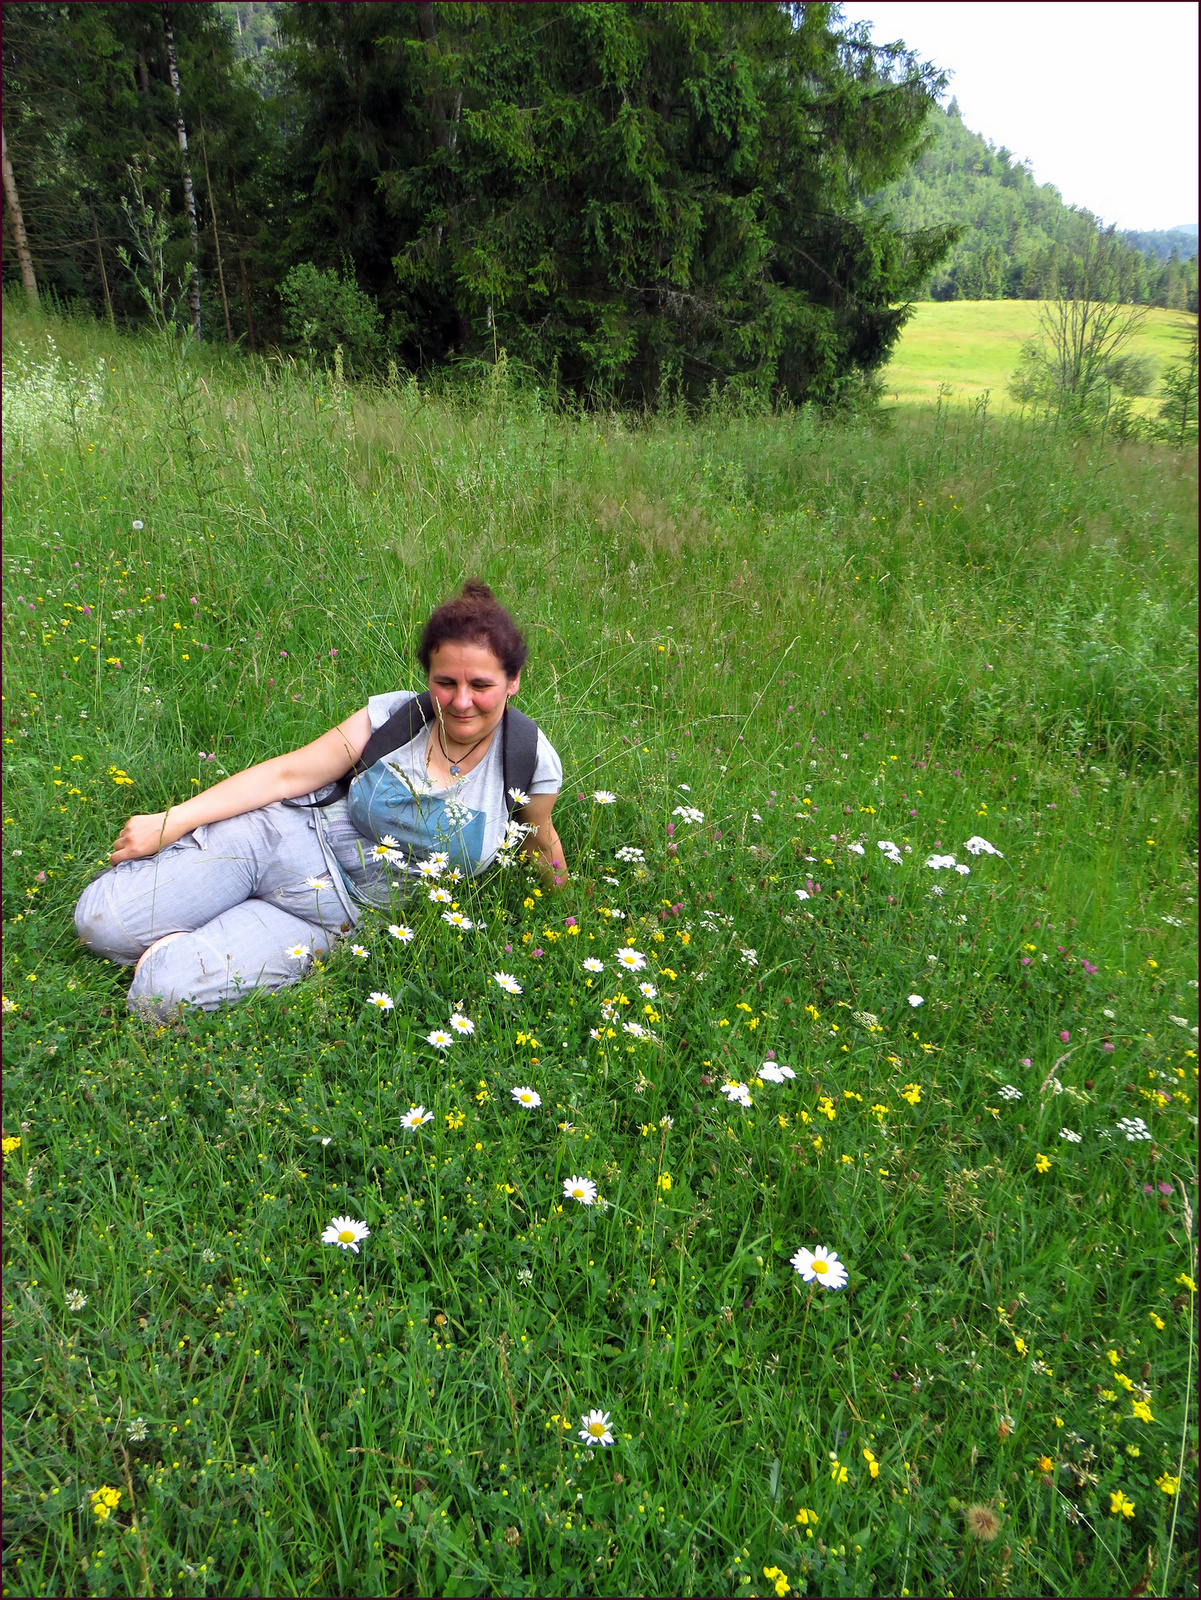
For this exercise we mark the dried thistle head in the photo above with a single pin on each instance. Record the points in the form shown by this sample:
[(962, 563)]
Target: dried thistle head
[(512, 1537), (982, 1523)]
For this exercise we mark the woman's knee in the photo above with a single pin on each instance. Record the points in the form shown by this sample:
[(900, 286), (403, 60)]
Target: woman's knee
[(98, 925)]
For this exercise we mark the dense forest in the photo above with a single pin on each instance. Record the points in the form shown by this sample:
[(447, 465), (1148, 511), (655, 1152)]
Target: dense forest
[(633, 199), (1015, 232)]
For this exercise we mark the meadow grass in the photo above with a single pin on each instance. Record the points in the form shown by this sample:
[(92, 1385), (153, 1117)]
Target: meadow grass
[(969, 346), (919, 630)]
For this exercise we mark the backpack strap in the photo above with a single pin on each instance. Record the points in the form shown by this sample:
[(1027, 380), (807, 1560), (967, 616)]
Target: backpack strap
[(401, 728), (519, 753)]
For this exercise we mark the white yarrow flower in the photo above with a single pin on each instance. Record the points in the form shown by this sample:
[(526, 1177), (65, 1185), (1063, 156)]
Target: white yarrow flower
[(737, 1093), (916, 1000), (1009, 1092), (890, 850), (1072, 1138), (1133, 1128), (689, 814), (976, 846)]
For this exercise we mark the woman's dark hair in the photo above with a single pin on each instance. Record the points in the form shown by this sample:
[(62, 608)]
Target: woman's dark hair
[(475, 616)]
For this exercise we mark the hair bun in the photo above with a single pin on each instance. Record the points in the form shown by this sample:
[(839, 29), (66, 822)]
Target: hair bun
[(473, 589)]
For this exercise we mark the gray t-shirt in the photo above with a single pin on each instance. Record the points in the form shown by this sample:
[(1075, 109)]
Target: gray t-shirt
[(395, 817)]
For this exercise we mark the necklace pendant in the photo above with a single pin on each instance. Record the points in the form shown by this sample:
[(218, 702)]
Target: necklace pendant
[(454, 771)]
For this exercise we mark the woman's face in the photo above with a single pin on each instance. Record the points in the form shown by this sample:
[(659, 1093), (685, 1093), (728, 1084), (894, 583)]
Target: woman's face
[(470, 690)]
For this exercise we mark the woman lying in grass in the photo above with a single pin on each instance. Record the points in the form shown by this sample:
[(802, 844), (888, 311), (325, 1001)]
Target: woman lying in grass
[(236, 889)]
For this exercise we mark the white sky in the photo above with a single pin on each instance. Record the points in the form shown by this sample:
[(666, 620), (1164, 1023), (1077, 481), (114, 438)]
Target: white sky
[(1102, 97)]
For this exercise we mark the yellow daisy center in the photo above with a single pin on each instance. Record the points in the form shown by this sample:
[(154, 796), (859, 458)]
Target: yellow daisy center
[(596, 1429), (821, 1266), (346, 1236), (577, 1194)]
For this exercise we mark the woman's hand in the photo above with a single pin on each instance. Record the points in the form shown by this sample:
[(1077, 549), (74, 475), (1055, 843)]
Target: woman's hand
[(145, 836)]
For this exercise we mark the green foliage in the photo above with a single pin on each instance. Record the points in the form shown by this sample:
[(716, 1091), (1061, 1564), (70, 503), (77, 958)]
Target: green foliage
[(1178, 413), (323, 311), (1014, 234), (950, 626)]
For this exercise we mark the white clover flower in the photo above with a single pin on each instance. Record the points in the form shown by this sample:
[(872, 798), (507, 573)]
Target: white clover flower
[(595, 1429), (1072, 1138), (507, 982), (737, 1093), (820, 1266), (440, 1039), (440, 897), (456, 919), (916, 1000), (137, 1430), (384, 1001), (976, 846), (1009, 1092), (345, 1231), (399, 931), (461, 1024), (519, 797), (631, 960), (667, 1122), (641, 1083), (525, 1275), (689, 814), (591, 964), (603, 797), (581, 1189), (525, 1096), (415, 1117), (75, 1300), (648, 991)]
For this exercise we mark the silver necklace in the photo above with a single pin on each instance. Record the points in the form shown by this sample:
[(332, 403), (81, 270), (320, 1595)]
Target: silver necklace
[(456, 766)]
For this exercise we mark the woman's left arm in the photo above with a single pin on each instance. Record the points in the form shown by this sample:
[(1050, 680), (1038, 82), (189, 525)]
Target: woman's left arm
[(543, 845)]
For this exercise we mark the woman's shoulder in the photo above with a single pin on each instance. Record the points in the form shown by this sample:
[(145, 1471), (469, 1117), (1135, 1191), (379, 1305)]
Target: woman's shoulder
[(382, 706)]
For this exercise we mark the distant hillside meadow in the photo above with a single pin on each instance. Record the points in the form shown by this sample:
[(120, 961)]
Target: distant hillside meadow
[(966, 347), (812, 1206)]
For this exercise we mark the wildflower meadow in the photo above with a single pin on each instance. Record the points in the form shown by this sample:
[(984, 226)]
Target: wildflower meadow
[(800, 1201)]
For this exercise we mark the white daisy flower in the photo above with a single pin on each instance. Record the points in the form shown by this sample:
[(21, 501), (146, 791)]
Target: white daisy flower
[(737, 1093), (384, 1001), (345, 1231), (976, 846), (636, 1030), (358, 950), (299, 952), (603, 797), (415, 1116), (820, 1266), (689, 814), (581, 1189), (390, 841), (595, 1033), (595, 1428), (382, 852), (399, 931), (525, 1096), (916, 1000), (1009, 1092), (631, 960), (648, 990), (461, 1024), (317, 883), (456, 919), (1072, 1138), (440, 1039), (591, 964), (507, 982), (519, 797), (440, 897)]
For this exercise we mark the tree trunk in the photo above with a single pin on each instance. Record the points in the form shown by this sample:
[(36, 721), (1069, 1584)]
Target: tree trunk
[(18, 226), (208, 185), (242, 265), (188, 193), (108, 299)]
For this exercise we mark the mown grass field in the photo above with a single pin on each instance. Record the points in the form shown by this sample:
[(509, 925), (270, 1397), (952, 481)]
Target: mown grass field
[(919, 631), (970, 346)]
